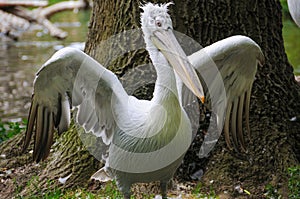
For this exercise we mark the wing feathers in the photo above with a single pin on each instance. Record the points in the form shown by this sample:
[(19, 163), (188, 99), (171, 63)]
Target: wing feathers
[(44, 135), (247, 107), (57, 115), (226, 126), (233, 123), (70, 77), (236, 58), (240, 121), (49, 140), (65, 115), (83, 112), (30, 125), (38, 132), (91, 122)]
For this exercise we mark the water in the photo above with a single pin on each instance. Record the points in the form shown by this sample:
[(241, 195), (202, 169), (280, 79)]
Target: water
[(19, 61)]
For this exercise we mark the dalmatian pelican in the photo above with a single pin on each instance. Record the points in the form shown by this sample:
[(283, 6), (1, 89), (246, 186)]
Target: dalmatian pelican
[(147, 140)]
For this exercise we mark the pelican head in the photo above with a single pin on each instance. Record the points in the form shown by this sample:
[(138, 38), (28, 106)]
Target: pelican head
[(158, 33), (155, 17)]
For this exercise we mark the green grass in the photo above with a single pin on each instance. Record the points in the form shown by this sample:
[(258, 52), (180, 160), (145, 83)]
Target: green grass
[(293, 185), (108, 191), (198, 193), (294, 182), (10, 129), (271, 192), (51, 2), (291, 34), (284, 5)]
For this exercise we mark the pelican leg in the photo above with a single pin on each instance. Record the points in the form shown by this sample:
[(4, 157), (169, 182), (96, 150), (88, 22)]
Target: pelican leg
[(127, 195), (163, 189), (125, 191), (124, 187)]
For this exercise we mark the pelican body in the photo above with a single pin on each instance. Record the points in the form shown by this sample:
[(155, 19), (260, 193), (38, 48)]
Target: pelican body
[(146, 140)]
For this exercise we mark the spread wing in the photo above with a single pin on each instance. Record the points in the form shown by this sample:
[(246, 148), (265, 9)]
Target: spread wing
[(70, 78), (294, 8), (236, 59)]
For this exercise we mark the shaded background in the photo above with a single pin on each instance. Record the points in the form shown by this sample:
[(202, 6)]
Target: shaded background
[(20, 60)]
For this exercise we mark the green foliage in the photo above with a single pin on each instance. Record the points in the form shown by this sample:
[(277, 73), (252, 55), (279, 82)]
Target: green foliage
[(271, 192), (10, 129), (18, 188), (293, 185), (197, 193), (285, 9), (294, 182), (32, 184), (110, 190), (51, 2)]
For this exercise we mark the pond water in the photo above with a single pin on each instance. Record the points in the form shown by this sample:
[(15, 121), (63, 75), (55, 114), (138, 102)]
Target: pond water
[(20, 60)]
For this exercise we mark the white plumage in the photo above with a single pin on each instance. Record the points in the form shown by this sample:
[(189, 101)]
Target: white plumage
[(294, 8), (147, 139)]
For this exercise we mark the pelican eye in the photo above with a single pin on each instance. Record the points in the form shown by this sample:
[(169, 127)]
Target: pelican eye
[(158, 23)]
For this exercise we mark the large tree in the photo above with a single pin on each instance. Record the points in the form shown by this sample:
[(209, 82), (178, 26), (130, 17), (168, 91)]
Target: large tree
[(274, 144)]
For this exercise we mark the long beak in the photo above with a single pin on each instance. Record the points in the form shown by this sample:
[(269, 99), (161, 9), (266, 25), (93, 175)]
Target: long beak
[(166, 42)]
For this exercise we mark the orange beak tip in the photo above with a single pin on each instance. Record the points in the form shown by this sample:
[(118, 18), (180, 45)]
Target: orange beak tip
[(202, 99)]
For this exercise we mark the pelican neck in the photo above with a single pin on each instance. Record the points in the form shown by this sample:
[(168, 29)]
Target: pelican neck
[(165, 86)]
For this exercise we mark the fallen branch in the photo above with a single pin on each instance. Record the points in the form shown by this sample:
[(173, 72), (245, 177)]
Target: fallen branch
[(40, 15), (65, 5), (32, 3), (53, 30), (37, 17), (11, 25)]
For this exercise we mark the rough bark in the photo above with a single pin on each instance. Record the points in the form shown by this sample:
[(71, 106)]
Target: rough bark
[(275, 96), (274, 144)]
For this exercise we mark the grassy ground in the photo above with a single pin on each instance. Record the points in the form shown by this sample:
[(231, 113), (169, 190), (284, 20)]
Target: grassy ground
[(109, 190), (10, 129)]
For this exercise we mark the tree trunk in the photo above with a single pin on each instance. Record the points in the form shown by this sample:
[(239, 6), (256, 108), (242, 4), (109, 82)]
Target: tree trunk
[(275, 96)]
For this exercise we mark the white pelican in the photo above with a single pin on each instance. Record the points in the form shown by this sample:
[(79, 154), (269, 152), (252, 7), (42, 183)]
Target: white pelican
[(294, 8), (147, 139)]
